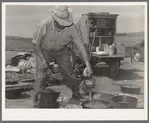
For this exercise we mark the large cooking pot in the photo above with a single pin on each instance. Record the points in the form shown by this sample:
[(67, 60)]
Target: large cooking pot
[(129, 88), (96, 104), (124, 101), (48, 98)]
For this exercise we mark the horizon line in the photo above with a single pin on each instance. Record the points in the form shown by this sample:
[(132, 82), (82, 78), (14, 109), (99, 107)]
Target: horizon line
[(116, 33)]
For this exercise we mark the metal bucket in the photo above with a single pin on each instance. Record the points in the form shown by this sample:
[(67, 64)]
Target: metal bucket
[(48, 99)]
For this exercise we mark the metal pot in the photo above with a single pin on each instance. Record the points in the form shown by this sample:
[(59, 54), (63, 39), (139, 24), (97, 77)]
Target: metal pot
[(55, 68), (125, 101), (96, 104), (129, 88), (48, 98)]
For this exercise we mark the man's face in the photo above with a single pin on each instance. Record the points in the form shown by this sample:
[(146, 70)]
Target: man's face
[(59, 26)]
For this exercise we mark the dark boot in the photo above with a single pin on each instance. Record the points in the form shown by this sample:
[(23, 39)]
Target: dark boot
[(76, 96)]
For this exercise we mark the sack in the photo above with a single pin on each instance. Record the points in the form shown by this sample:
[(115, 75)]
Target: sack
[(15, 60)]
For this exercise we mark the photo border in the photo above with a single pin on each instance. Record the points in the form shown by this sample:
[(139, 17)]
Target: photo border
[(71, 1)]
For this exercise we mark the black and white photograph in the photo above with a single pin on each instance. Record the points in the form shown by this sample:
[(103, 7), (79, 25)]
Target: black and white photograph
[(74, 61)]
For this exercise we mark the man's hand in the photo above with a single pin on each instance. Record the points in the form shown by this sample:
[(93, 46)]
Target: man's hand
[(88, 71)]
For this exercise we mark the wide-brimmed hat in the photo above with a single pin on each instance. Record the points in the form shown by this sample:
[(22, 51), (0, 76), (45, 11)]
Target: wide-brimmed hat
[(62, 15)]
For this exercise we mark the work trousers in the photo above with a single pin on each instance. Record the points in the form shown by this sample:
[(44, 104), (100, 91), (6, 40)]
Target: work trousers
[(63, 60)]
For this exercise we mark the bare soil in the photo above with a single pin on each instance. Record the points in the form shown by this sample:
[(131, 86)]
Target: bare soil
[(130, 73)]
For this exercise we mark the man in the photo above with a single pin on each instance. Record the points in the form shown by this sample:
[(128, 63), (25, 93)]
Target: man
[(50, 41)]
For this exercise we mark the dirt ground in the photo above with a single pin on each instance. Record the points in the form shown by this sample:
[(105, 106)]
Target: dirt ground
[(130, 73)]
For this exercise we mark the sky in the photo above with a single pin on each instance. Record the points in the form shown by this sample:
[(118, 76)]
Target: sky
[(21, 20)]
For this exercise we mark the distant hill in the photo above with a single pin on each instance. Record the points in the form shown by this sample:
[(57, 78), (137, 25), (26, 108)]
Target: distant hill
[(136, 33), (117, 34), (16, 38), (18, 43), (25, 44), (131, 34)]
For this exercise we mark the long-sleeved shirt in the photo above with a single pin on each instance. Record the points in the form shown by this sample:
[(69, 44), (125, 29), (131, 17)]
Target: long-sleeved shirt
[(50, 38)]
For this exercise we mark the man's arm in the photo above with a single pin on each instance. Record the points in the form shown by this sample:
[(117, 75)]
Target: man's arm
[(77, 38), (37, 41), (88, 71), (84, 55), (39, 51)]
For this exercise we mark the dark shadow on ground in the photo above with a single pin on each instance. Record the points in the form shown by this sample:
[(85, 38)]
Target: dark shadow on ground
[(129, 75), (21, 96), (101, 71), (128, 62), (124, 74)]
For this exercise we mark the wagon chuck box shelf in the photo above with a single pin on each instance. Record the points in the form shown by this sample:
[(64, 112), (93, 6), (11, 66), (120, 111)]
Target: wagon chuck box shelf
[(102, 31)]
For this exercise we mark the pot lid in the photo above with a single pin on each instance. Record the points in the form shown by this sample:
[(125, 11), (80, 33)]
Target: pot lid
[(130, 86), (48, 91)]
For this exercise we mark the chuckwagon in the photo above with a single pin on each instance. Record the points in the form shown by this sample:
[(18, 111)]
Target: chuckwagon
[(99, 31)]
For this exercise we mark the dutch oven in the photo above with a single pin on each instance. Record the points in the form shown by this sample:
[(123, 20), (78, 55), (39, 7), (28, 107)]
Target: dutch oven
[(14, 92), (124, 101), (96, 104), (129, 88)]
